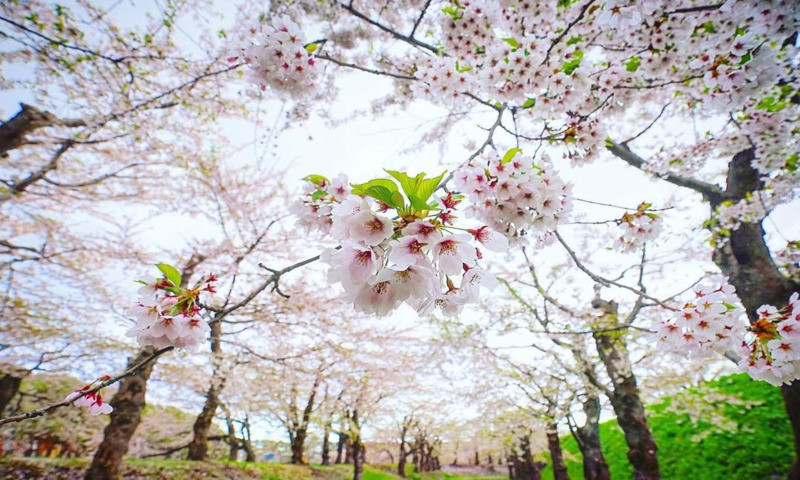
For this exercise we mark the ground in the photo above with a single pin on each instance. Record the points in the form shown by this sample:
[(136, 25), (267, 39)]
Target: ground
[(135, 469)]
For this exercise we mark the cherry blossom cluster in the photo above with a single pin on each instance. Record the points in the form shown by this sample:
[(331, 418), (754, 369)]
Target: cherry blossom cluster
[(320, 195), (278, 59), (712, 320), (514, 195), (773, 354), (92, 400), (637, 228), (168, 315), (789, 258), (443, 80), (399, 244), (769, 348)]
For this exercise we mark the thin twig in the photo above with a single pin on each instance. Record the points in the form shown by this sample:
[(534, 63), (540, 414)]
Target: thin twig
[(605, 281), (99, 386), (365, 69)]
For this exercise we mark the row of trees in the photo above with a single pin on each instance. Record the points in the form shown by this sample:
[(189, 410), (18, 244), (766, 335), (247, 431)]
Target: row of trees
[(128, 131)]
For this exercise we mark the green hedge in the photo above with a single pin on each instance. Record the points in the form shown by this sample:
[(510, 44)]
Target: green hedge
[(757, 444)]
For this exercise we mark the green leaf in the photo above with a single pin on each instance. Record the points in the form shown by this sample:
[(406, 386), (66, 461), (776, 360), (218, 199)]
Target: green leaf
[(393, 199), (417, 189), (529, 103), (745, 58), (318, 194), (316, 179), (569, 66), (461, 69), (633, 64), (170, 273), (574, 40), (791, 163), (311, 47), (452, 12), (381, 189), (511, 42), (425, 190), (510, 155)]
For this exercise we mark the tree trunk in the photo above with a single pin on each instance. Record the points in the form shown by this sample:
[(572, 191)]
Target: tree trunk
[(401, 458), (340, 447), (128, 403), (588, 439), (198, 449), (612, 347), (746, 260), (521, 464), (9, 386), (247, 442), (233, 442), (326, 444), (298, 440), (556, 456), (358, 456)]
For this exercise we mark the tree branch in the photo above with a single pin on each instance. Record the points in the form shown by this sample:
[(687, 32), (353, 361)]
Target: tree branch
[(710, 192), (406, 38), (99, 386)]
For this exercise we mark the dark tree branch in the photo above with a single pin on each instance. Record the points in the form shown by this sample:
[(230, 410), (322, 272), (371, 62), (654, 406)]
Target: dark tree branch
[(365, 69), (710, 192), (406, 38)]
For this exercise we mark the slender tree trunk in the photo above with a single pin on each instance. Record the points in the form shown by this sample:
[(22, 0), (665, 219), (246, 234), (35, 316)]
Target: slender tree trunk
[(299, 438), (588, 439), (198, 449), (556, 456), (401, 458), (326, 444), (233, 442), (9, 386), (612, 347), (348, 450), (247, 442), (128, 403), (358, 456), (340, 447), (746, 260)]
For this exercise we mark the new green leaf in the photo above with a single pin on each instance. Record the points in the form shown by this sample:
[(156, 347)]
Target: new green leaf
[(170, 273), (510, 155)]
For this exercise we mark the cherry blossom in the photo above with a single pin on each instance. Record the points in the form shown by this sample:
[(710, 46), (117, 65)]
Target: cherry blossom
[(638, 227), (277, 58), (514, 196), (168, 315), (92, 400), (769, 348), (410, 257)]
